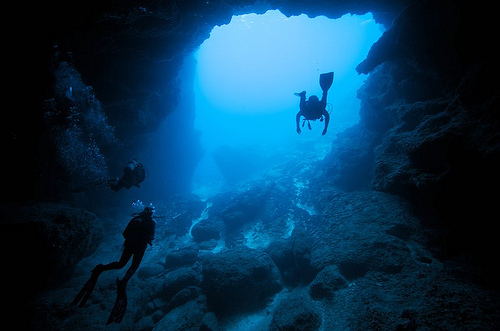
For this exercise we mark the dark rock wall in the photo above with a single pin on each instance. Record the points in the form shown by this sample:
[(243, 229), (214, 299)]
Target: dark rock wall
[(429, 122), (433, 102), (41, 244)]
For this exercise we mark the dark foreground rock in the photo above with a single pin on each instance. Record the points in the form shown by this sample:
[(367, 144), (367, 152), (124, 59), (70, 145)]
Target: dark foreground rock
[(239, 280), (43, 242), (186, 317), (326, 283), (207, 229), (297, 312)]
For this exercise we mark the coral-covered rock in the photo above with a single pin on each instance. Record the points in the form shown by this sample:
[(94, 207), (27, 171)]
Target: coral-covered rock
[(186, 317), (209, 322), (179, 213), (208, 245), (353, 234), (296, 312), (239, 208), (302, 245), (177, 280), (239, 280), (187, 294), (184, 256), (281, 253), (326, 283), (207, 229)]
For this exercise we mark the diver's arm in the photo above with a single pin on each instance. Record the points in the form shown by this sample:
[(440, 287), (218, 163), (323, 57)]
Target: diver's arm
[(327, 120), (297, 121)]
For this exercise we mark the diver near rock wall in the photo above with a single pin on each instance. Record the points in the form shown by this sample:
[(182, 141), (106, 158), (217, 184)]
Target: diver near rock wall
[(134, 173), (139, 232)]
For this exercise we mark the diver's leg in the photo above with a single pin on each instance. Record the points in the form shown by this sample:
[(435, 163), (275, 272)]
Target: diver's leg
[(126, 255), (120, 305), (127, 180), (115, 185), (136, 261)]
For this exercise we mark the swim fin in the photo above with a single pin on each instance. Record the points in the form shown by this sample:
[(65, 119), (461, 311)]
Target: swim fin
[(120, 306), (326, 80), (84, 294)]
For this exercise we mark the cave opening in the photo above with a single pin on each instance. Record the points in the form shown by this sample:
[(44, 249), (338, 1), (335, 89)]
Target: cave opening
[(245, 77)]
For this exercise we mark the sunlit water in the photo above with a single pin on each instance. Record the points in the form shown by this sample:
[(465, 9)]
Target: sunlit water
[(247, 74)]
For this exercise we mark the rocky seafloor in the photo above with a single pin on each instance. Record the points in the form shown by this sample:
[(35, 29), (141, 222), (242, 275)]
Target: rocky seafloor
[(278, 253)]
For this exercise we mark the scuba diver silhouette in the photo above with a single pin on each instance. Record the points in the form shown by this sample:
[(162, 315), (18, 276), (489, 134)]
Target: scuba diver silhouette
[(314, 108), (134, 174), (139, 232)]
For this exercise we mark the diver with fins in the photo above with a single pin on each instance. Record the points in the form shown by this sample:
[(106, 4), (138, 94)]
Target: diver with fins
[(139, 232), (134, 173), (314, 108)]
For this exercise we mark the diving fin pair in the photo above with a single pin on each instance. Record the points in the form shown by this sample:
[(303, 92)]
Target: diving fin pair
[(84, 294), (120, 305)]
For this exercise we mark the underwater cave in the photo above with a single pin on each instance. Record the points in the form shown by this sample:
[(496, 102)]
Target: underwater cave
[(385, 221), (244, 77)]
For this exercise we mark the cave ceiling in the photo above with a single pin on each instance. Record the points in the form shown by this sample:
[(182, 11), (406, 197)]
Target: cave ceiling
[(130, 52)]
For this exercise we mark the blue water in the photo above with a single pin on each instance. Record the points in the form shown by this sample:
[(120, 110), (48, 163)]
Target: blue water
[(248, 71)]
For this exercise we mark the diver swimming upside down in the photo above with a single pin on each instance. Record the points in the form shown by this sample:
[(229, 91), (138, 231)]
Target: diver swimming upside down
[(313, 108)]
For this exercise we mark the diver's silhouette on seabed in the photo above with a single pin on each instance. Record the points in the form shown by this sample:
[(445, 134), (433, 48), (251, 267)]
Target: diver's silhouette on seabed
[(314, 108), (139, 232)]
